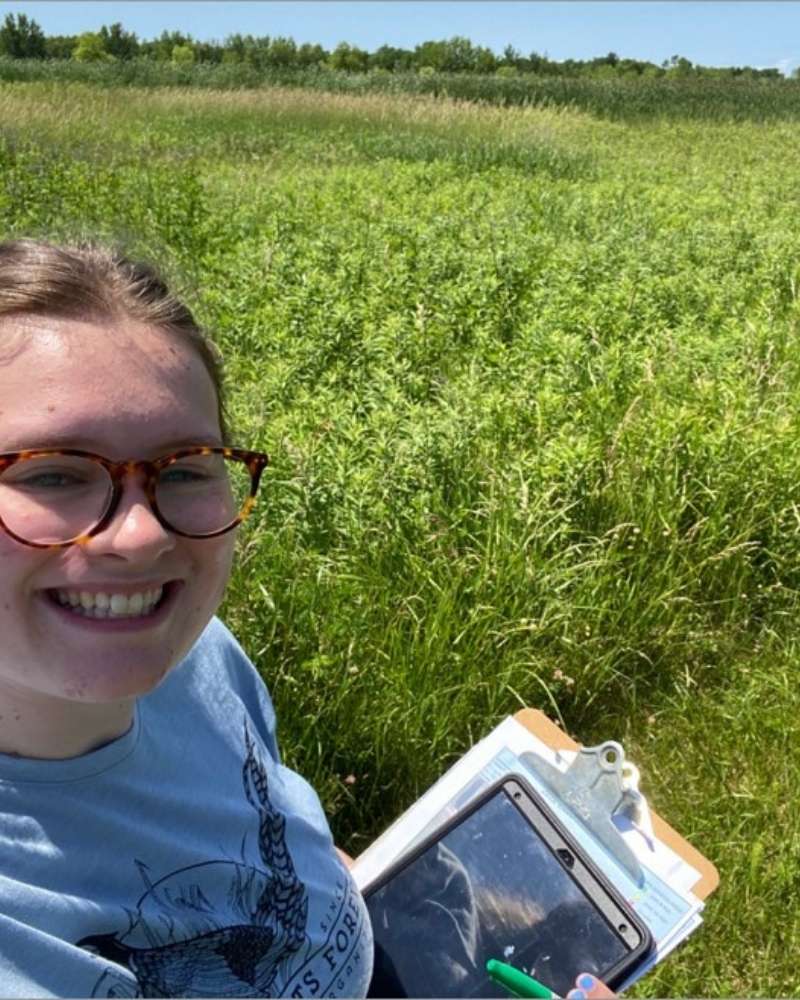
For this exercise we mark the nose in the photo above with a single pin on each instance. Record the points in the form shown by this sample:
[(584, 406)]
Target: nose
[(134, 532)]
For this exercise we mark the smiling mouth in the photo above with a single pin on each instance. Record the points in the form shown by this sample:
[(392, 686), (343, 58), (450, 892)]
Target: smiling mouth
[(110, 605)]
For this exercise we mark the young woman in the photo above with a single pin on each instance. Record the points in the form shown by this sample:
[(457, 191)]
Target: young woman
[(151, 842)]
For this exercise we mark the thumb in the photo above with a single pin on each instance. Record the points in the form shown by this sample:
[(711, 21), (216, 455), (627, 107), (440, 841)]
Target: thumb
[(589, 987)]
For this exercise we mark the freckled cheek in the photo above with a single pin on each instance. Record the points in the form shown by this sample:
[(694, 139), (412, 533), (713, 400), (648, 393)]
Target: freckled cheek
[(212, 568), (16, 571), (75, 690)]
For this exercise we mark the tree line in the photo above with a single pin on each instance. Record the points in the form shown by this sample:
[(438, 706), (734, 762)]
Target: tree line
[(22, 38)]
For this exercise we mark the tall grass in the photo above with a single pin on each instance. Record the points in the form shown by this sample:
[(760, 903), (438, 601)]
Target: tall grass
[(619, 99), (278, 125), (534, 426)]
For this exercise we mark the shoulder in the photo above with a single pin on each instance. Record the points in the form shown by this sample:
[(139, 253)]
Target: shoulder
[(217, 648), (217, 658), (217, 677)]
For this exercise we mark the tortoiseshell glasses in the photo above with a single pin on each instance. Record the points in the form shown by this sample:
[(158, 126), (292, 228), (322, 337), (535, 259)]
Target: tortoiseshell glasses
[(51, 498)]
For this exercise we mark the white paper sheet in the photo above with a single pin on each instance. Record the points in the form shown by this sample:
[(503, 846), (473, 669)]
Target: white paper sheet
[(664, 901)]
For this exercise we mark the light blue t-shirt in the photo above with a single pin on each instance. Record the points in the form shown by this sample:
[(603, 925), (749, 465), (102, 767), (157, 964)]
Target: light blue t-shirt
[(181, 860)]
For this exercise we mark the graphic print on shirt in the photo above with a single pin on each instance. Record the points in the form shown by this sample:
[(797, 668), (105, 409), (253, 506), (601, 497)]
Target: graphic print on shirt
[(231, 929)]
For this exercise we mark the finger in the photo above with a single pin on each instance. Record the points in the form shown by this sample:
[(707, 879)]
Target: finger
[(348, 861), (591, 988)]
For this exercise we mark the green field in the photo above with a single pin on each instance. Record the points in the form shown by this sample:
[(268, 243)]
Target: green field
[(530, 380)]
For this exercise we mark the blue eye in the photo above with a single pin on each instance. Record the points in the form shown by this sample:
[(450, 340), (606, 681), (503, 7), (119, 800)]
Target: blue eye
[(50, 480), (178, 476)]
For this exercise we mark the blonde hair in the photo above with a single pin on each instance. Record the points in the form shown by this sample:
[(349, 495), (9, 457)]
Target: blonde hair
[(90, 281)]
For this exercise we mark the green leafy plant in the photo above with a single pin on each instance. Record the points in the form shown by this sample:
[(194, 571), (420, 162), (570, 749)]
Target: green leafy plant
[(530, 381)]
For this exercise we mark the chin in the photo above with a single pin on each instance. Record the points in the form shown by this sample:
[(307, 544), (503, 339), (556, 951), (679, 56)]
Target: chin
[(120, 684)]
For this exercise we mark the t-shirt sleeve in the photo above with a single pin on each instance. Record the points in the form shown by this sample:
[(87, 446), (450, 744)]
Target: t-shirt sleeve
[(219, 644)]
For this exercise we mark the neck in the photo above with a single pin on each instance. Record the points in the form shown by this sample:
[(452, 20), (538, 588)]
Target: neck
[(55, 729)]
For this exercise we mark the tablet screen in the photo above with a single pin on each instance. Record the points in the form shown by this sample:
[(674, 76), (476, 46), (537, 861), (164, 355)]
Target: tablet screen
[(490, 888)]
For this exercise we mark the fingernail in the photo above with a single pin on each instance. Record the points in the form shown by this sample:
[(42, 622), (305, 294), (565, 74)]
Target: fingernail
[(576, 995), (587, 982)]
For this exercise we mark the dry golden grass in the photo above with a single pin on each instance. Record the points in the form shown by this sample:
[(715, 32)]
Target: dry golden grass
[(78, 110)]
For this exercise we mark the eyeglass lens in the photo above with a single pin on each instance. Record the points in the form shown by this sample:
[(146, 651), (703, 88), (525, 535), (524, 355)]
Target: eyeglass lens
[(54, 498)]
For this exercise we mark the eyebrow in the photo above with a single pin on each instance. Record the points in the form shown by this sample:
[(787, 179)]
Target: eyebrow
[(93, 445)]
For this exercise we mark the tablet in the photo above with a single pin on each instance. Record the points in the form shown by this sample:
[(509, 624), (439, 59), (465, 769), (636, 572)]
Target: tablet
[(503, 880)]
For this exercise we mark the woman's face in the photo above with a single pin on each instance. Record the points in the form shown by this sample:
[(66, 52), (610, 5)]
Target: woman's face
[(123, 391)]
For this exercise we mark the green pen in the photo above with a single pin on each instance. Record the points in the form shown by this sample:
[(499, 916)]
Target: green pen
[(518, 983)]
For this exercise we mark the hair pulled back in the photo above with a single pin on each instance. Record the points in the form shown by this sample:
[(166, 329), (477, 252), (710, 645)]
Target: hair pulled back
[(88, 281)]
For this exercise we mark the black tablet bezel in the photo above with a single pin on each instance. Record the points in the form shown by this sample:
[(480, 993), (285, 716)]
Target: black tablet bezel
[(605, 899)]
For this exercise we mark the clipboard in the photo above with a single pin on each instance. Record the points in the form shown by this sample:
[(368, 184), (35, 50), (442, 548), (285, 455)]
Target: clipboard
[(549, 733)]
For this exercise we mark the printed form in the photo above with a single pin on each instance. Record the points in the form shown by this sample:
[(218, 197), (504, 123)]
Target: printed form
[(664, 900)]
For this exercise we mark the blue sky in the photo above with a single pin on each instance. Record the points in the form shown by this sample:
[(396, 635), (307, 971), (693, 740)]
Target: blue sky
[(720, 33)]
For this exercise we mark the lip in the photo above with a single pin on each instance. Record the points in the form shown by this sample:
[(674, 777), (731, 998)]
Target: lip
[(172, 589), (126, 588)]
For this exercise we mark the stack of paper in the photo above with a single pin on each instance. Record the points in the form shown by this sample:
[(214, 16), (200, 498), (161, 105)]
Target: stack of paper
[(663, 899)]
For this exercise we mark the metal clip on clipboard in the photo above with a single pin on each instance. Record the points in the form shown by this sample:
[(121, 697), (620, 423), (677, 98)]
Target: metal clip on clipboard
[(593, 790)]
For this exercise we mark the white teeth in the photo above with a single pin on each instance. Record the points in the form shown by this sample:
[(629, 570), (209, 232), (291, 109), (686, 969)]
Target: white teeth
[(119, 603), (104, 605)]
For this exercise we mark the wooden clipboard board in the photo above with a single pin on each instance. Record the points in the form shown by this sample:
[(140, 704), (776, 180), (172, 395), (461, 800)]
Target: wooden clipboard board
[(548, 732)]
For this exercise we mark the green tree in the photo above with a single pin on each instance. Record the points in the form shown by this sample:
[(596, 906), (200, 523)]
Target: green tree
[(208, 52), (459, 55), (349, 58), (392, 59), (183, 55), (678, 65), (256, 50), (233, 50), (431, 54), (311, 55), (90, 48), (281, 52), (59, 46), (161, 48), (21, 38), (486, 60), (536, 63), (635, 67), (456, 55), (249, 49), (118, 42)]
